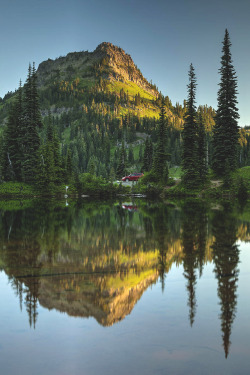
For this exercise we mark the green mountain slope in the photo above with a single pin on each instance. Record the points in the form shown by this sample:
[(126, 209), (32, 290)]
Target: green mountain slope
[(108, 72)]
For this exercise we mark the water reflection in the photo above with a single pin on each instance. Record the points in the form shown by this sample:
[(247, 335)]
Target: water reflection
[(97, 258), (226, 259)]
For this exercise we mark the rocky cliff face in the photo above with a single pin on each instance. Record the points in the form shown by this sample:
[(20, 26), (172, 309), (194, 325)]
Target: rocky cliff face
[(111, 63), (122, 67)]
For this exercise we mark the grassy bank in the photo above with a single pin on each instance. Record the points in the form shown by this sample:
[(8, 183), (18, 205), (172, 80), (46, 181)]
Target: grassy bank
[(86, 185)]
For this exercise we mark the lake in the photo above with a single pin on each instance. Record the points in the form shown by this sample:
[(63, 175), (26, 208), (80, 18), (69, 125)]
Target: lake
[(124, 287)]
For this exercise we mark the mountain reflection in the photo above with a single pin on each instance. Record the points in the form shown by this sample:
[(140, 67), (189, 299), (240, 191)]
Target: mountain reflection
[(96, 259)]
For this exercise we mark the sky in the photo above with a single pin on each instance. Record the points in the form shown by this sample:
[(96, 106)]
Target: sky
[(163, 37)]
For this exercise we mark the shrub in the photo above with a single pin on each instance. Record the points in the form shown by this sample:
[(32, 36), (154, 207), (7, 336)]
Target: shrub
[(171, 182), (242, 190), (98, 186), (149, 177)]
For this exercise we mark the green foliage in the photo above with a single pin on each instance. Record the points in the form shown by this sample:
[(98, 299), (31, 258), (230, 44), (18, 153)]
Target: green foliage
[(226, 130), (171, 182), (148, 178), (175, 172), (121, 167), (12, 150), (242, 190), (17, 189), (148, 155), (21, 138), (201, 150), (30, 124), (97, 186), (190, 137), (227, 176), (160, 167)]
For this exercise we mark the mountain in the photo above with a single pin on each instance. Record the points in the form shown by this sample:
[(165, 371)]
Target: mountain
[(110, 75), (99, 99), (109, 71), (107, 61)]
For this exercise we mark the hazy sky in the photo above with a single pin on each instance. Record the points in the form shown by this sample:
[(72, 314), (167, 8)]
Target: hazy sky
[(163, 37)]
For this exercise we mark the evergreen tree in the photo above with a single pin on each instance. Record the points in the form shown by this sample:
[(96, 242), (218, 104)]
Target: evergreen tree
[(151, 154), (140, 153), (125, 125), (12, 143), (131, 159), (202, 150), (31, 122), (226, 130), (112, 174), (121, 167), (92, 166), (160, 159), (36, 112), (50, 170), (189, 136), (145, 167), (68, 167), (148, 155), (57, 158)]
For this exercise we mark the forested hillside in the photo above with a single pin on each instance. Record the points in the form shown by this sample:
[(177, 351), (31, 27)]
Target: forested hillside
[(101, 110)]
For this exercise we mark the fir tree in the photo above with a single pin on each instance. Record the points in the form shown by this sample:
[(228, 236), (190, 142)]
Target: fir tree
[(145, 166), (226, 130), (92, 166), (189, 136), (148, 155), (68, 167), (112, 174), (12, 143), (121, 167), (131, 159), (160, 159), (36, 112), (202, 150), (31, 122), (50, 162)]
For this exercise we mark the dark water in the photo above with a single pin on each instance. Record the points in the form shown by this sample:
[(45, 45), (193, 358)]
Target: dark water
[(124, 288)]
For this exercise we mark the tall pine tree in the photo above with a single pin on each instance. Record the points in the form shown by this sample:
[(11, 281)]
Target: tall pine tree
[(189, 136), (12, 143), (226, 130), (31, 122), (160, 166)]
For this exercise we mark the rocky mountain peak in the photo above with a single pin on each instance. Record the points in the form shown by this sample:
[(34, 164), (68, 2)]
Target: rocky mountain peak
[(122, 66), (112, 63)]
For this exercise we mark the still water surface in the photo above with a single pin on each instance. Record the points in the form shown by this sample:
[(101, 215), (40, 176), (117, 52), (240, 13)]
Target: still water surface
[(124, 288)]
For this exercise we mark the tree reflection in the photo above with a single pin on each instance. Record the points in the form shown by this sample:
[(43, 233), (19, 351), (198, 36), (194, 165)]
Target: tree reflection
[(97, 258), (22, 235), (194, 224), (226, 259)]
